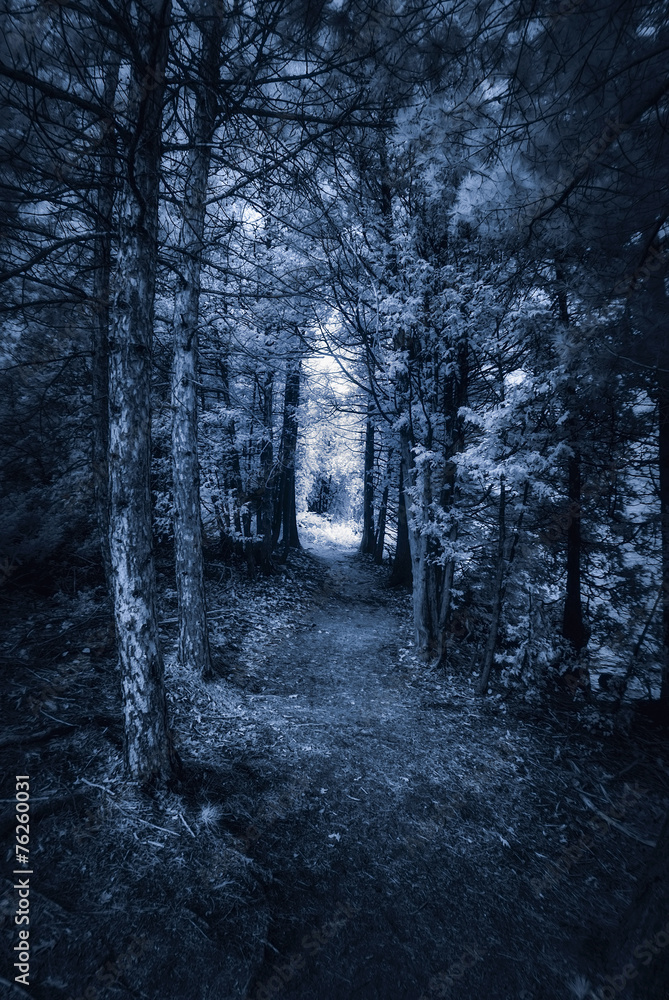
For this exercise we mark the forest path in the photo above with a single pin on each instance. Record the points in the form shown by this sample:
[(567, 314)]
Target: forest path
[(372, 811)]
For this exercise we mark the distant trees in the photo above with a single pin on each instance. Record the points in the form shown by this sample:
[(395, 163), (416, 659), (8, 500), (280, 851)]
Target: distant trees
[(443, 273)]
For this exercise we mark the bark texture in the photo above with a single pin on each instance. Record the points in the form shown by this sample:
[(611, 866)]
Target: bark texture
[(149, 755), (193, 647)]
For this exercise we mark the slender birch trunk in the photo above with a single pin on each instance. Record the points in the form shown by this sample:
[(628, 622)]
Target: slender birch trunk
[(193, 646), (149, 755)]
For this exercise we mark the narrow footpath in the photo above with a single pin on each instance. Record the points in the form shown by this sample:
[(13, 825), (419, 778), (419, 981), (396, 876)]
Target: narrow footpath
[(396, 818)]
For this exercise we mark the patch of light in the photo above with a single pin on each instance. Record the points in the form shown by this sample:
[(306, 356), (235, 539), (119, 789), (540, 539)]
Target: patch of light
[(320, 534), (516, 377)]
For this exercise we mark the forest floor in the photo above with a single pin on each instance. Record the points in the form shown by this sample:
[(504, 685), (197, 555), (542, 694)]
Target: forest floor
[(348, 824)]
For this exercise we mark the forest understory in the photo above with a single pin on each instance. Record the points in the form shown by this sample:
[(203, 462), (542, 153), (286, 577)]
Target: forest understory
[(345, 823)]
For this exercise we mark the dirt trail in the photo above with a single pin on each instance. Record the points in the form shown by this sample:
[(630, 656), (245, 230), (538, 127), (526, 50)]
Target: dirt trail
[(347, 824), (389, 867)]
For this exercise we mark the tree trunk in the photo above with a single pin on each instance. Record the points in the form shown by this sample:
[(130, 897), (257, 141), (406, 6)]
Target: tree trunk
[(401, 574), (663, 407), (100, 400), (418, 545), (431, 582), (233, 470), (288, 449), (100, 326), (497, 594), (368, 537), (454, 397), (149, 755), (506, 549), (421, 594), (266, 508), (573, 628), (193, 647), (381, 530), (445, 602)]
